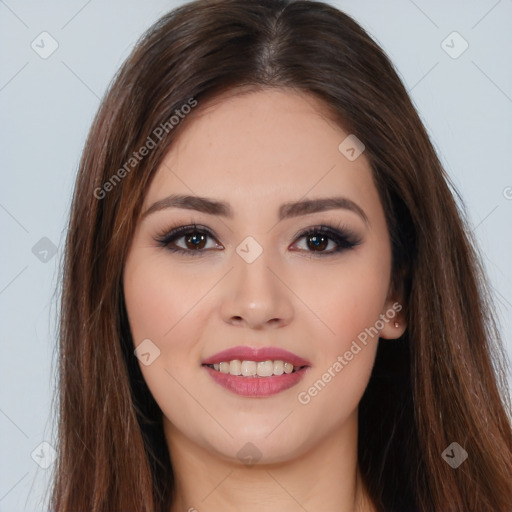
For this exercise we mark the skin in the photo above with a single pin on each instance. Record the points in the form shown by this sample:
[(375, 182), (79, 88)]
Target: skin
[(264, 147)]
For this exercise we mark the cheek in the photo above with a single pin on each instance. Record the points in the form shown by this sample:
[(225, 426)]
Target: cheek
[(170, 306), (350, 309), (161, 301), (347, 297), (151, 309), (162, 306)]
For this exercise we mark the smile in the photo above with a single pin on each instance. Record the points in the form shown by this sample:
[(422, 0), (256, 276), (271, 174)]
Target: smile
[(256, 372), (255, 368)]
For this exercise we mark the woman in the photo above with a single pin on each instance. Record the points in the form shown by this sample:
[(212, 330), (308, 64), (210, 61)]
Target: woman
[(334, 350)]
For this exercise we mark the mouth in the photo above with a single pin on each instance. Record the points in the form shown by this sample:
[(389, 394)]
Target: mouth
[(260, 369), (252, 372)]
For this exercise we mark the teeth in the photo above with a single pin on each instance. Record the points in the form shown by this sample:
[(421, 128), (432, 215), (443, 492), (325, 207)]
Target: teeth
[(278, 367), (265, 368), (248, 368), (235, 367), (254, 368)]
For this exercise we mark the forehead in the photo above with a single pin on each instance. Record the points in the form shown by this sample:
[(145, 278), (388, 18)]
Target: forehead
[(261, 147)]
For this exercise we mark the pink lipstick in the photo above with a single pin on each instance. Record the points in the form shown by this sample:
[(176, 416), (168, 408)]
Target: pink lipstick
[(256, 372)]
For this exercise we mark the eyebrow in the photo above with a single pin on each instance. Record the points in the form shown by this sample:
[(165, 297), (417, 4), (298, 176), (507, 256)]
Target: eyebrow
[(286, 210)]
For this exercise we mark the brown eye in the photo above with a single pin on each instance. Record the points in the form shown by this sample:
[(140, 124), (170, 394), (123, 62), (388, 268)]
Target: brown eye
[(315, 242), (193, 240), (318, 239)]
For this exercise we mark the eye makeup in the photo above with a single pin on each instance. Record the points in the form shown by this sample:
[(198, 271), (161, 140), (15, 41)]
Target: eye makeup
[(196, 236)]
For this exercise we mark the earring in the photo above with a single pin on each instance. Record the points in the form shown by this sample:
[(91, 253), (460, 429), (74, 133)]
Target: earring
[(396, 324)]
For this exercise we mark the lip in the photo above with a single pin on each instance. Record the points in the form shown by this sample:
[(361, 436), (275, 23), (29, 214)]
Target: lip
[(257, 387), (256, 354)]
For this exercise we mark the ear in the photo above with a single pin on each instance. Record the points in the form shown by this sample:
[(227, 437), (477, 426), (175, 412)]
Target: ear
[(393, 316)]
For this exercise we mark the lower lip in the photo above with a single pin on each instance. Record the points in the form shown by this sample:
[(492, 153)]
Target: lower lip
[(256, 386)]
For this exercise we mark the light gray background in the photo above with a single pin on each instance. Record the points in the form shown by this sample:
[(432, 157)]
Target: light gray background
[(48, 104)]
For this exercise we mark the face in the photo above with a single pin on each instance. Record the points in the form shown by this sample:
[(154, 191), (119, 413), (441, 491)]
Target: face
[(266, 265)]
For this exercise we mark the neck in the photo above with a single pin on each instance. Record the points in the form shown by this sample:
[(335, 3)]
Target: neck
[(324, 478)]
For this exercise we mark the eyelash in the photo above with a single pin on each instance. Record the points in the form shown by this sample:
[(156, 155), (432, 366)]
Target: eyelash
[(343, 237)]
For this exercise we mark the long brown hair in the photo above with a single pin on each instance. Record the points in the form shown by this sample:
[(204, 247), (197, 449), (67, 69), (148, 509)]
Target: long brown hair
[(443, 381)]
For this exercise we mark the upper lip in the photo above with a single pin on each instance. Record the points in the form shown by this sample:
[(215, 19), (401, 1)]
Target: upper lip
[(256, 354)]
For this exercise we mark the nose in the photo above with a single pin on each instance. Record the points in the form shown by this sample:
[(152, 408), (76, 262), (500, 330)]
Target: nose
[(256, 296)]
